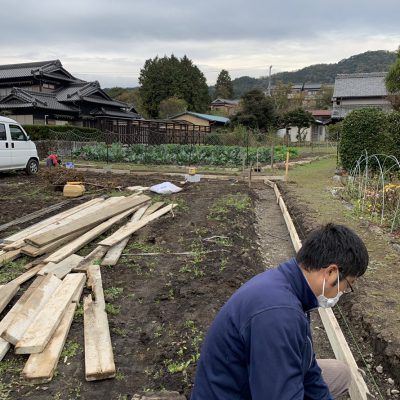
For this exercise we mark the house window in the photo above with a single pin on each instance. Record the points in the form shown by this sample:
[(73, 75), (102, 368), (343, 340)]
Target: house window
[(48, 85), (17, 133), (3, 132)]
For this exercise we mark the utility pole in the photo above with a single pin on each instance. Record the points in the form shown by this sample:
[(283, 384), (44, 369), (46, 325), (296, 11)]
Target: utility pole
[(269, 82)]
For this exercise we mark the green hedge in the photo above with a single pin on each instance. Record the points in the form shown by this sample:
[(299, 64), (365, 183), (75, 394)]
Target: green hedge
[(393, 134), (176, 154), (362, 130), (45, 132)]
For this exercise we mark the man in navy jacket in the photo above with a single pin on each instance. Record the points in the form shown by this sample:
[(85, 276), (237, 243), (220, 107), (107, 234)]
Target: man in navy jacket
[(259, 346)]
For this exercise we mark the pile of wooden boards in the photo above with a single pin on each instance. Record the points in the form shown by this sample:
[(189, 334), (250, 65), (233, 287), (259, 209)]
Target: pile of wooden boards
[(39, 321)]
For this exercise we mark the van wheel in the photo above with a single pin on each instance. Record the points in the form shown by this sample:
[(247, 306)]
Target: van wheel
[(32, 167)]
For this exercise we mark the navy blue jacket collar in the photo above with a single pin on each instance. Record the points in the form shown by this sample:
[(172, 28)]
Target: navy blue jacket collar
[(300, 286)]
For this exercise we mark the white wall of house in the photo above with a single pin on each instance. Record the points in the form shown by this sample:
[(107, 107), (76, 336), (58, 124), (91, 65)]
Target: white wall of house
[(316, 133), (365, 102), (22, 119)]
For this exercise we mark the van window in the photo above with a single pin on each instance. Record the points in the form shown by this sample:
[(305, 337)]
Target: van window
[(3, 132), (17, 133)]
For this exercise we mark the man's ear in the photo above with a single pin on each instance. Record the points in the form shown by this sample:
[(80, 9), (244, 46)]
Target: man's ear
[(331, 274)]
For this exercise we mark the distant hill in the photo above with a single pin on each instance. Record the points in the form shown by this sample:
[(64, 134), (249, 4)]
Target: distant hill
[(370, 61)]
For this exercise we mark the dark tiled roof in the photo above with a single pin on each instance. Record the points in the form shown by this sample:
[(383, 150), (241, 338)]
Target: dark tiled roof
[(307, 86), (27, 70), (360, 85), (86, 91), (115, 113), (225, 101), (20, 98)]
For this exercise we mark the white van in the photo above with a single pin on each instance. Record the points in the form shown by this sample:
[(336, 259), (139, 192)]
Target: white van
[(17, 151)]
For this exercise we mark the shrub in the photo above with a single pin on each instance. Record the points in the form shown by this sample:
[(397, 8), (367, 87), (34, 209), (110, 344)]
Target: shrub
[(64, 132), (392, 144), (363, 130)]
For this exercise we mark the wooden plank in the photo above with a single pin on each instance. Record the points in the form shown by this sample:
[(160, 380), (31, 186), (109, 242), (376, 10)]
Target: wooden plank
[(38, 334), (34, 215), (27, 313), (9, 256), (62, 268), (99, 358), (153, 208), (86, 238), (96, 255), (40, 367), (55, 218), (289, 223), (133, 227), (34, 251), (95, 283), (27, 275), (4, 345), (5, 322), (97, 207), (72, 220), (358, 388), (114, 252), (92, 219), (7, 292)]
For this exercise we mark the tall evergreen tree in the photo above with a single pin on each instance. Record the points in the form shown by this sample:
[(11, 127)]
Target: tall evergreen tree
[(258, 111), (224, 86), (166, 77), (392, 82)]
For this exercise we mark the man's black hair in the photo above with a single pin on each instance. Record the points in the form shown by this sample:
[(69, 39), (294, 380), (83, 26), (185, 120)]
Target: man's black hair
[(334, 244)]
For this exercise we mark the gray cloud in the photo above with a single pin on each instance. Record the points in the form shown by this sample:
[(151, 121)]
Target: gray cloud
[(103, 38)]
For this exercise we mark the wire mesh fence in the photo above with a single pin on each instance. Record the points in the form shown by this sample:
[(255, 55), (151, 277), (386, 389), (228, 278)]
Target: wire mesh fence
[(156, 143)]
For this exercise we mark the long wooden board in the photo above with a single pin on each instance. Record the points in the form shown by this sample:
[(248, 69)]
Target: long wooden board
[(99, 357), (92, 219), (96, 207), (94, 256), (34, 251), (358, 388), (33, 305), (130, 228), (73, 219), (95, 283), (4, 345), (62, 268), (34, 215), (9, 256), (86, 238), (38, 334), (54, 219), (7, 292), (27, 275), (40, 367), (114, 252)]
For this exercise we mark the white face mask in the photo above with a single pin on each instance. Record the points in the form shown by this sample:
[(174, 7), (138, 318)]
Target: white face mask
[(324, 301)]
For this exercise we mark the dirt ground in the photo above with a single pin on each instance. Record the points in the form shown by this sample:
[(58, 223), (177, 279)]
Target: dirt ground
[(159, 306), (368, 317)]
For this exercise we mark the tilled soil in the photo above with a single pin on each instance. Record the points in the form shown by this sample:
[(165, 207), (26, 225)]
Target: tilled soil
[(160, 306), (365, 316)]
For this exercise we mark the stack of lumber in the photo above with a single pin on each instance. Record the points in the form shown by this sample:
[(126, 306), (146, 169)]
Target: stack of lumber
[(39, 321)]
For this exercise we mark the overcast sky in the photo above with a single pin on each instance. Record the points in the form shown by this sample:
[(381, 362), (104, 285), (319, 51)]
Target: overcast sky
[(109, 40)]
